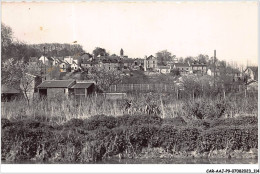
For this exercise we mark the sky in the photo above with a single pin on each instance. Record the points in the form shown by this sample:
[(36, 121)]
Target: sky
[(142, 28)]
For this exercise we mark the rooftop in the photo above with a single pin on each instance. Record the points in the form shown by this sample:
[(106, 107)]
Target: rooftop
[(9, 90), (82, 85), (56, 84)]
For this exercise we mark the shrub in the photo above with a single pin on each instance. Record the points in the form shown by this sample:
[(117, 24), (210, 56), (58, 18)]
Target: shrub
[(239, 121), (229, 138), (74, 122), (5, 123), (205, 109), (170, 137), (176, 121), (130, 120), (28, 139), (100, 121)]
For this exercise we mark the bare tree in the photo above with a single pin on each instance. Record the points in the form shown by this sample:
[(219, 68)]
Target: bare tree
[(20, 76)]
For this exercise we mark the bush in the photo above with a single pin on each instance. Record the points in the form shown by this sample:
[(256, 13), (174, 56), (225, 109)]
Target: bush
[(100, 121), (239, 121), (130, 120), (107, 136), (5, 123), (176, 121), (74, 122), (204, 109), (229, 138), (174, 138)]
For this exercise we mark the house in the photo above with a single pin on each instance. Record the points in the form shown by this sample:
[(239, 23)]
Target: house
[(150, 63), (68, 59), (183, 68), (55, 88), (85, 65), (46, 60), (138, 64), (64, 66), (74, 66), (126, 63), (9, 93), (111, 64), (164, 69), (82, 89), (65, 88), (251, 73), (57, 61), (199, 68)]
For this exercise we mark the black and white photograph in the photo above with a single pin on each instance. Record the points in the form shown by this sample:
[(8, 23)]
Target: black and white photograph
[(138, 82)]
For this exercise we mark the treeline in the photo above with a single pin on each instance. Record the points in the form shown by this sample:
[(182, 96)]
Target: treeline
[(18, 50)]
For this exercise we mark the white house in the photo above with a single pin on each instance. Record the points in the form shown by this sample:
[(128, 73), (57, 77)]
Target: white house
[(63, 66), (74, 66), (164, 69), (44, 59), (69, 59)]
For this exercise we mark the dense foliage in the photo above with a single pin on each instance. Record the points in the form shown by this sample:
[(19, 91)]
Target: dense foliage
[(101, 136)]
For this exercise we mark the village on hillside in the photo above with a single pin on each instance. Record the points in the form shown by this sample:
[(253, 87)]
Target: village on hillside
[(64, 74)]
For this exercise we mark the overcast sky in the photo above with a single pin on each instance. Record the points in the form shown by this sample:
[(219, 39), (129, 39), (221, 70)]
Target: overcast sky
[(142, 28)]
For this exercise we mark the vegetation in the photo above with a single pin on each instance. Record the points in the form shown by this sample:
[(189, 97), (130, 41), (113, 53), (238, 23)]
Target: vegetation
[(19, 50), (101, 137)]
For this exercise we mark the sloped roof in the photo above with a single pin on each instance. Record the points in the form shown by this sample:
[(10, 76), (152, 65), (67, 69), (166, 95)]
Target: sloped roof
[(9, 90), (82, 85), (150, 57), (254, 69), (127, 60), (198, 64), (56, 84), (181, 64)]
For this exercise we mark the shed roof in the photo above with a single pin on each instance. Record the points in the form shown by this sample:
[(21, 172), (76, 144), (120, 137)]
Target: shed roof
[(56, 84), (82, 85), (8, 90)]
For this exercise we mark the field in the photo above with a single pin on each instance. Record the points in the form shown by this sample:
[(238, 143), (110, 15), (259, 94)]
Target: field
[(141, 126)]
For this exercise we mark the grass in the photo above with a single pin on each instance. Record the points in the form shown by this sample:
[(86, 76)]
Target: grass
[(165, 106)]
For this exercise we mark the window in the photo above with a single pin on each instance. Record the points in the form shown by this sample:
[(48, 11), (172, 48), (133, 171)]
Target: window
[(153, 62), (109, 68)]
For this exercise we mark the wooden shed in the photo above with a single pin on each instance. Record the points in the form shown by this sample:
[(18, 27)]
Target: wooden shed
[(82, 89), (55, 88)]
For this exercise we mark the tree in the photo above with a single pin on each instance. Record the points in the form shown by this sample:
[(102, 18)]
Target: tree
[(175, 72), (189, 59), (163, 57), (20, 75), (191, 85), (121, 52), (6, 39), (181, 60), (203, 58), (103, 78), (99, 52)]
